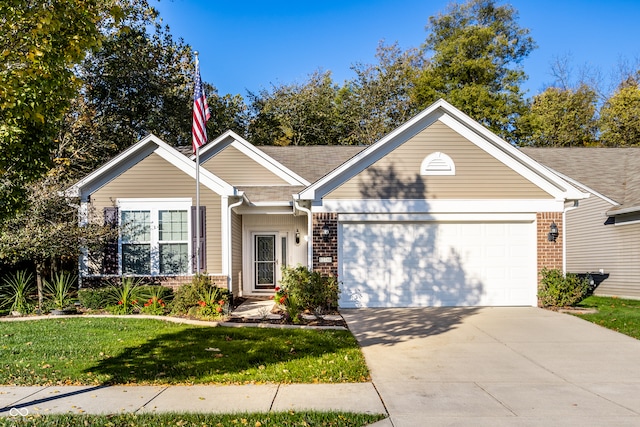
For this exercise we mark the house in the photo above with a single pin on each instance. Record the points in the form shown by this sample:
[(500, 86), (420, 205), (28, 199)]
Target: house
[(603, 235), (439, 212)]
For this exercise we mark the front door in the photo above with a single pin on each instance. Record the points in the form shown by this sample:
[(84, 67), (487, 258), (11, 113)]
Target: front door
[(264, 261)]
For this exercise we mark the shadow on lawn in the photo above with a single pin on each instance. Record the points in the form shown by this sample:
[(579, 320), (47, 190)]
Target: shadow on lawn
[(219, 355)]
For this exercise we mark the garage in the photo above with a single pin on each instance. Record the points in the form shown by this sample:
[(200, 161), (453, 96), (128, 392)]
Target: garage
[(437, 263)]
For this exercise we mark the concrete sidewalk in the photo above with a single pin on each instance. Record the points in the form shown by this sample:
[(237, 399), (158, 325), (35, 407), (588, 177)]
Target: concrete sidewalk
[(355, 397)]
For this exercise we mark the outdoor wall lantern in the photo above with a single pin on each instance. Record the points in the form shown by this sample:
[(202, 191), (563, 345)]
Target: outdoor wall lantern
[(325, 233), (553, 232), (297, 237)]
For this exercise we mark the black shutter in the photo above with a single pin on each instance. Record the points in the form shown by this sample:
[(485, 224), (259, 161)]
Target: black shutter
[(110, 258), (199, 240)]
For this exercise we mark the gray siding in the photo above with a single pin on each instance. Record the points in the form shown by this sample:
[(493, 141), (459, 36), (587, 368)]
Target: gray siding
[(154, 177), (478, 174), (592, 246), (236, 168)]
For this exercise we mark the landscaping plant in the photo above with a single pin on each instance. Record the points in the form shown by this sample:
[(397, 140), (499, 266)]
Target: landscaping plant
[(561, 290), (213, 303), (60, 290), (17, 293), (124, 299), (189, 298), (302, 289), (155, 299)]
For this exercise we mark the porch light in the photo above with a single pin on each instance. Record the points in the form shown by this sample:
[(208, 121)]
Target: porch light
[(325, 232), (297, 237), (553, 232)]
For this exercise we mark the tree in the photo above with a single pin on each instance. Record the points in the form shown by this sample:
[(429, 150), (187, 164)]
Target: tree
[(620, 116), (561, 118), (378, 100), (477, 48), (48, 233), (296, 114), (41, 40)]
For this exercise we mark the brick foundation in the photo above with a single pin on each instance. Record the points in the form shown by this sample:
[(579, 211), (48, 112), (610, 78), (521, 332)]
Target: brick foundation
[(325, 249), (168, 281)]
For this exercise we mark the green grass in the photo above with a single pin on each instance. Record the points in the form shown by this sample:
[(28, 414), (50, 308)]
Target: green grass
[(328, 419), (144, 351), (621, 315)]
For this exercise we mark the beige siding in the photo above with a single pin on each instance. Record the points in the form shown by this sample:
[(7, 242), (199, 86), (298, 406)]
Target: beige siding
[(154, 177), (592, 246), (478, 175), (236, 262), (238, 169)]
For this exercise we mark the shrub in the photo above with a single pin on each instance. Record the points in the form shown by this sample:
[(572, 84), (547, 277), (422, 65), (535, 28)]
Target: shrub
[(124, 299), (93, 298), (59, 291), (212, 304), (16, 293), (188, 298), (307, 290), (559, 290), (155, 299)]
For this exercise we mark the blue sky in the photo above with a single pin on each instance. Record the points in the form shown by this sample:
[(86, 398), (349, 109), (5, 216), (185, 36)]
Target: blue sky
[(250, 45)]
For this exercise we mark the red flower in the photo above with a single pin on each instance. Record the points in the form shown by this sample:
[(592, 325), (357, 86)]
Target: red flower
[(277, 288), (120, 302), (219, 309), (221, 302), (202, 303), (282, 300)]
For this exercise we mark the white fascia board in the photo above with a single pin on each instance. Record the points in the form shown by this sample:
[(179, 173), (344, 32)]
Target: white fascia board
[(371, 154), (254, 153), (440, 206), (442, 217), (511, 156)]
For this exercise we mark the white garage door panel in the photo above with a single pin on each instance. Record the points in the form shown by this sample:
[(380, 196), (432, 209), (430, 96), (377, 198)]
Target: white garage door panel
[(437, 264)]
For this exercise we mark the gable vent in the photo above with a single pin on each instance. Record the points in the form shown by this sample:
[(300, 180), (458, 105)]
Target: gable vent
[(437, 164)]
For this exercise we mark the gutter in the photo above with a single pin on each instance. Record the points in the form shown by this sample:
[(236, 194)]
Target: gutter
[(230, 240)]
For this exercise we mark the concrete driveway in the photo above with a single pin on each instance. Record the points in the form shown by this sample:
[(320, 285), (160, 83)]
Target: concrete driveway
[(498, 367)]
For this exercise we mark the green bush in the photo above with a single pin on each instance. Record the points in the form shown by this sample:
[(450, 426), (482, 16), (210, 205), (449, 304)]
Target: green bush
[(559, 290), (187, 298), (124, 299), (93, 298), (310, 290)]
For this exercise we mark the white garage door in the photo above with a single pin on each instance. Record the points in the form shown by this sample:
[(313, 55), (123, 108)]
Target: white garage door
[(399, 264)]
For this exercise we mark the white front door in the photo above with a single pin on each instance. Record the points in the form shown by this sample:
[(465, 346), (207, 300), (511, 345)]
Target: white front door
[(265, 260)]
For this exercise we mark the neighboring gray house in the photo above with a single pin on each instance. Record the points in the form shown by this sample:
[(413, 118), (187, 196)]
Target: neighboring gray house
[(603, 234)]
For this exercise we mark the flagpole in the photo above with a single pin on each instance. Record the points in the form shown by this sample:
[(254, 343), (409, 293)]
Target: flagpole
[(198, 240)]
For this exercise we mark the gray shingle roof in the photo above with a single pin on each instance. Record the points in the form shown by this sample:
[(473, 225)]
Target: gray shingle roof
[(314, 161), (612, 172)]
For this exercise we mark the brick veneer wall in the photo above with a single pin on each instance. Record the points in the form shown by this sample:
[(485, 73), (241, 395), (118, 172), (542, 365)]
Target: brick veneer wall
[(549, 253), (322, 248)]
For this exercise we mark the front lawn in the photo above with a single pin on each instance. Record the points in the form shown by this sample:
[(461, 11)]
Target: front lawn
[(621, 315), (327, 419), (91, 351)]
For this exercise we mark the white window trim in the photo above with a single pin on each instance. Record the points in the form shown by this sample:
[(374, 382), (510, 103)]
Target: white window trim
[(154, 206), (426, 163)]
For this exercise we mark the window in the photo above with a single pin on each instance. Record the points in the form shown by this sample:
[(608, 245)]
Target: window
[(437, 164), (155, 237)]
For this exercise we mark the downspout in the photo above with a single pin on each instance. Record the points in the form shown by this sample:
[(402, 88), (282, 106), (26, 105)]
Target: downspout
[(230, 240), (309, 233), (564, 235)]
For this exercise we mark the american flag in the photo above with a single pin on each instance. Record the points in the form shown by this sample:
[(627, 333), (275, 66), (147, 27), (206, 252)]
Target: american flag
[(201, 112)]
